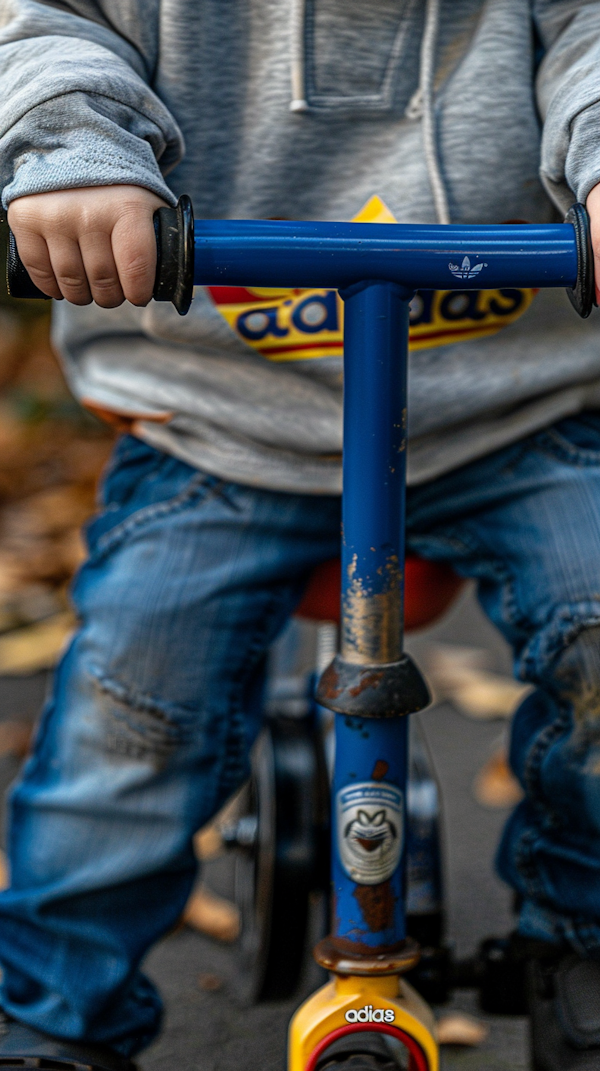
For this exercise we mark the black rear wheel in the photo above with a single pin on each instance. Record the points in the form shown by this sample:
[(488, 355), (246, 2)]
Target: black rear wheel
[(281, 857)]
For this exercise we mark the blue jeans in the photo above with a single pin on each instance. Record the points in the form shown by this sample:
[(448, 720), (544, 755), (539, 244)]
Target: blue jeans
[(158, 699)]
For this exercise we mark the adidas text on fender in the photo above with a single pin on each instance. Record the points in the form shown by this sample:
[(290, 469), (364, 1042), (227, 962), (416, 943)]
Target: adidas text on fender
[(369, 1014)]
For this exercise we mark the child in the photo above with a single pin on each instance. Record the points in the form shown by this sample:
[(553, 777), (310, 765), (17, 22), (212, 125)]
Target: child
[(226, 493)]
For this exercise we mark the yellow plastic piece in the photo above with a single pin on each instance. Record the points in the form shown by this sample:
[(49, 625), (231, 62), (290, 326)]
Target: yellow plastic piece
[(325, 1011)]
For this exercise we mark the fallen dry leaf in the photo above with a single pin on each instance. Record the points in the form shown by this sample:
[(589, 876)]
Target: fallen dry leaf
[(15, 737), (459, 1029), (208, 843), (459, 675), (35, 647), (4, 875), (210, 983), (37, 458), (28, 604), (11, 576), (212, 915), (51, 455), (47, 560), (495, 785), (48, 513), (84, 459)]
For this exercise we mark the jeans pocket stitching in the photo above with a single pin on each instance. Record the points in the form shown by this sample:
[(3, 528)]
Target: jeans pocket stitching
[(552, 442), (194, 489), (125, 447)]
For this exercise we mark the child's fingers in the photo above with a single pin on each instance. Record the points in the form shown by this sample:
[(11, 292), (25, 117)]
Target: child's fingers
[(33, 251), (595, 229), (593, 207), (100, 269), (92, 243), (134, 251), (69, 270)]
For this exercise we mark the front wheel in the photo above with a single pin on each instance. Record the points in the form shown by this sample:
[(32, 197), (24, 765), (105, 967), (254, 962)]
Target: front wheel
[(366, 1050)]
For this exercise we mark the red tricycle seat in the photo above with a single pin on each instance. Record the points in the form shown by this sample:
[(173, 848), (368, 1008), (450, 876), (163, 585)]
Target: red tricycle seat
[(429, 589)]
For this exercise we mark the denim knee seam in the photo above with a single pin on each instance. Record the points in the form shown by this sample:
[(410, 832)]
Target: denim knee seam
[(563, 627), (526, 866), (234, 757), (141, 727), (233, 765), (141, 701), (533, 763)]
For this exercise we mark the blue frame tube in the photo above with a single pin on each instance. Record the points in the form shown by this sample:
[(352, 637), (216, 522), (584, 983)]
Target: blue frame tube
[(374, 471), (371, 753), (338, 255), (370, 777)]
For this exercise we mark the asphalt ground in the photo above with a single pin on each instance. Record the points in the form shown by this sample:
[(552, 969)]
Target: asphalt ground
[(206, 1026)]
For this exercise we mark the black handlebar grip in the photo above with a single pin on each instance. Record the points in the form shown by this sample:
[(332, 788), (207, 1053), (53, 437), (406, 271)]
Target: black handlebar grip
[(583, 295), (174, 229)]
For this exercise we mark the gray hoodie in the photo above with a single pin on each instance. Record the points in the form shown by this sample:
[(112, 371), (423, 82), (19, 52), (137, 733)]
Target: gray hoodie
[(418, 110)]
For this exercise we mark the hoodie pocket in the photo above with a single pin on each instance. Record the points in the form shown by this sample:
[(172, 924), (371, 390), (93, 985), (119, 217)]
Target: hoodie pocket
[(356, 56)]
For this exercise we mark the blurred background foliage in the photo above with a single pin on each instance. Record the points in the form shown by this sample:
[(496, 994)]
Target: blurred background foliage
[(51, 454)]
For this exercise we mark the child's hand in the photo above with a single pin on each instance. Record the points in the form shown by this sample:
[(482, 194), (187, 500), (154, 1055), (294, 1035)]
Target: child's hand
[(94, 244), (593, 206)]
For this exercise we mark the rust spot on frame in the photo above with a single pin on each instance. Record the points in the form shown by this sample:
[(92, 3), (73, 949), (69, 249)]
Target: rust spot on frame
[(380, 769), (368, 680), (372, 622), (329, 684), (376, 903)]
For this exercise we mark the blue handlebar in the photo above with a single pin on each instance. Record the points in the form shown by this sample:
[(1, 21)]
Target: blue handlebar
[(335, 256), (418, 257)]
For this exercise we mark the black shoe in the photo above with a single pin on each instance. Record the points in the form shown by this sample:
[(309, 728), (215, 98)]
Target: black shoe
[(23, 1047), (564, 1006)]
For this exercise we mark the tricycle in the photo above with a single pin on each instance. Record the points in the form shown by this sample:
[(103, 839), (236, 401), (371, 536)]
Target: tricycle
[(371, 685)]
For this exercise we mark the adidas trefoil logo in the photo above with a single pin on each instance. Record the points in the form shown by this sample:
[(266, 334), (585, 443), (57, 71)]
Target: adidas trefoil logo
[(466, 271)]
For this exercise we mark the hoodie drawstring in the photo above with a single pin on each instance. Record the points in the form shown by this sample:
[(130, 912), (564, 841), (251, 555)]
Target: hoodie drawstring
[(420, 106), (426, 89), (298, 101)]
